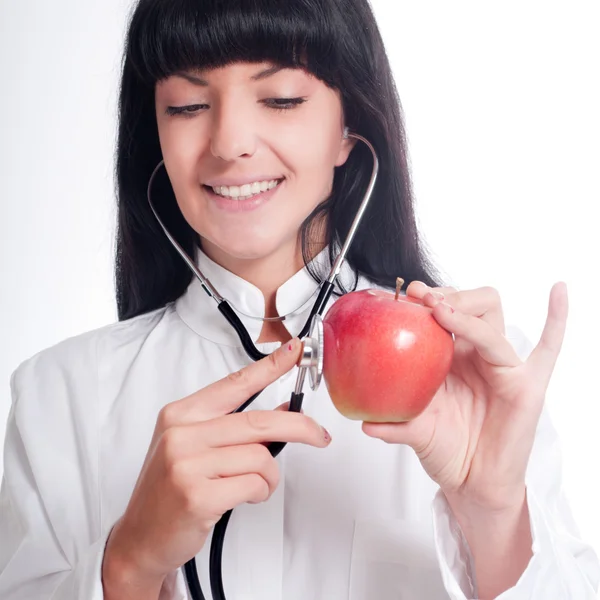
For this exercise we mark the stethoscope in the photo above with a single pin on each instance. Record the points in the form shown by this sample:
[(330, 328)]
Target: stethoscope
[(311, 362)]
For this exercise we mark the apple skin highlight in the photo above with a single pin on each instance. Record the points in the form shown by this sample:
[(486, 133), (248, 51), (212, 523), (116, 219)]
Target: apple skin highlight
[(385, 356)]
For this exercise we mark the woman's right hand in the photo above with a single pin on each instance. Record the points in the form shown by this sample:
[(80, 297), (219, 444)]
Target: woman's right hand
[(203, 461)]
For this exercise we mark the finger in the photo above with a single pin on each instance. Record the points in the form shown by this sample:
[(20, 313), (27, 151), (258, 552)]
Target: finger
[(225, 395), (544, 356), (240, 460), (285, 407), (484, 303), (230, 492), (491, 344), (256, 426), (408, 433), (418, 289)]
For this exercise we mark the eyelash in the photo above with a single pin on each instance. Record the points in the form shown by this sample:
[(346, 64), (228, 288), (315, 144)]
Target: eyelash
[(277, 104)]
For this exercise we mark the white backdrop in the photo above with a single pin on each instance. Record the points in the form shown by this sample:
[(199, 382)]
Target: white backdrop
[(502, 106)]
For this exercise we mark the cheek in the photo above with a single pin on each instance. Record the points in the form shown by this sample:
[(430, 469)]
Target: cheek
[(180, 151), (312, 153), (182, 140)]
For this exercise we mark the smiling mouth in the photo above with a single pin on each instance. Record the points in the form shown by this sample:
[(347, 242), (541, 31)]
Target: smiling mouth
[(243, 192)]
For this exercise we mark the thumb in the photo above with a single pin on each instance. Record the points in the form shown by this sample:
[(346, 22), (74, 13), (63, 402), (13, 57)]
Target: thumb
[(415, 433)]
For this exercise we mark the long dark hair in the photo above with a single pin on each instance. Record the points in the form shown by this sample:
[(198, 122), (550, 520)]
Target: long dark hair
[(337, 41)]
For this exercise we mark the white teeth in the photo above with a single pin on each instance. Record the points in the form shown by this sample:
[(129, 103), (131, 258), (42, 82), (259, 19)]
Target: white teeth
[(245, 191)]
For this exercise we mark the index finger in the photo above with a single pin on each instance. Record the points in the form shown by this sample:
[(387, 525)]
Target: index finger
[(225, 395), (418, 289), (544, 356)]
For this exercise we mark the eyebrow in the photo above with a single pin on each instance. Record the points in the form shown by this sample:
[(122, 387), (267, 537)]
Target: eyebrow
[(256, 77)]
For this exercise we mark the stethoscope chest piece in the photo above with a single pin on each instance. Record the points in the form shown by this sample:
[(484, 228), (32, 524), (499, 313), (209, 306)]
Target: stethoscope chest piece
[(312, 352)]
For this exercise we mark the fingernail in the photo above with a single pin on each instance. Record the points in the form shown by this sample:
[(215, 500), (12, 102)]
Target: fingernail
[(326, 435), (438, 295), (291, 346)]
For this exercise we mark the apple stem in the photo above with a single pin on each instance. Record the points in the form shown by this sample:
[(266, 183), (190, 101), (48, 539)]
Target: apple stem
[(399, 284)]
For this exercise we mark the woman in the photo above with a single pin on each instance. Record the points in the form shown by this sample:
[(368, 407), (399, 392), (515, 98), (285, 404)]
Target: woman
[(121, 449)]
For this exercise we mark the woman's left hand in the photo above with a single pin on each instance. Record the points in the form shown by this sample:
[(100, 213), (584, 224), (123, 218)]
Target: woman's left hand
[(475, 437)]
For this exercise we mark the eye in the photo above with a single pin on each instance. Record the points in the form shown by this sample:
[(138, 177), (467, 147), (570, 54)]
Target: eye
[(274, 103), (185, 110), (284, 103)]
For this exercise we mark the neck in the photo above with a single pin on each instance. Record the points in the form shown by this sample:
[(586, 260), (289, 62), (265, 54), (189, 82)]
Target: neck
[(267, 273)]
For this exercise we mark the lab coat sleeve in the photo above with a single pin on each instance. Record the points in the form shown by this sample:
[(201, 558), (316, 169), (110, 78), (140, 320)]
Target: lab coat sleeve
[(562, 567), (50, 543)]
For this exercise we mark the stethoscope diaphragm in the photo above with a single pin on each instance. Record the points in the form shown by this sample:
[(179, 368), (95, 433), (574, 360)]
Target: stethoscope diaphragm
[(312, 353)]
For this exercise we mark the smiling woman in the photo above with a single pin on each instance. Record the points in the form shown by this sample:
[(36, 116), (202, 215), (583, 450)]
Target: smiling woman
[(245, 125), (304, 71), (127, 448)]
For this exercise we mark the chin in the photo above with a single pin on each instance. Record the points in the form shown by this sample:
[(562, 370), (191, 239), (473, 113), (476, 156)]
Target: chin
[(246, 247)]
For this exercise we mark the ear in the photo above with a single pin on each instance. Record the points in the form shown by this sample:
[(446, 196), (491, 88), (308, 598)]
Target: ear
[(345, 148)]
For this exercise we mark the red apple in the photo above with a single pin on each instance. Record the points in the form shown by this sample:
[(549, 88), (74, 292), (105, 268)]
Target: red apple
[(385, 356)]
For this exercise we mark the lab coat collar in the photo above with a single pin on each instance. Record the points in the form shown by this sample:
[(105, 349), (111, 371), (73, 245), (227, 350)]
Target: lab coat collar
[(201, 314)]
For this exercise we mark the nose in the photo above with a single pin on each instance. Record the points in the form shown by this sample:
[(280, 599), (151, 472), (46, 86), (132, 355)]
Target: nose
[(233, 134)]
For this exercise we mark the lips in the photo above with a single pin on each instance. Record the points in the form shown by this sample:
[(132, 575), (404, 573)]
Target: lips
[(241, 179), (241, 204), (245, 191)]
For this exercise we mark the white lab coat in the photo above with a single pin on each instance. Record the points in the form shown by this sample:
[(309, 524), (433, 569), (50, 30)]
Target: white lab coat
[(359, 520)]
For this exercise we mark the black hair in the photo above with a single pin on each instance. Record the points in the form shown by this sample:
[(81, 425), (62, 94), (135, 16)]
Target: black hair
[(338, 42)]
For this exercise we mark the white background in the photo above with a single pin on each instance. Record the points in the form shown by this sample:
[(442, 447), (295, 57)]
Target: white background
[(501, 101)]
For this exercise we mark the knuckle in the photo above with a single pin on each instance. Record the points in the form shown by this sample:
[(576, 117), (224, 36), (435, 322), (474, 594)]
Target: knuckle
[(199, 501), (416, 286), (239, 378), (169, 445), (272, 470), (194, 502), (178, 474), (258, 488), (274, 361), (166, 417), (262, 457), (259, 420), (184, 488), (493, 294)]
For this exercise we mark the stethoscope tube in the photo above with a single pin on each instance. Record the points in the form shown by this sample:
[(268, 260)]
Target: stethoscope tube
[(297, 396)]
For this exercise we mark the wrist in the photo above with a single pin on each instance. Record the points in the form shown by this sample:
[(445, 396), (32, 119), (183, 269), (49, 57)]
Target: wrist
[(499, 538), (481, 523), (491, 506), (122, 575)]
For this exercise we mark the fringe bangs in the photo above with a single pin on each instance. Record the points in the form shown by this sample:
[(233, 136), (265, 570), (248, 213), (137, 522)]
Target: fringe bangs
[(176, 35)]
